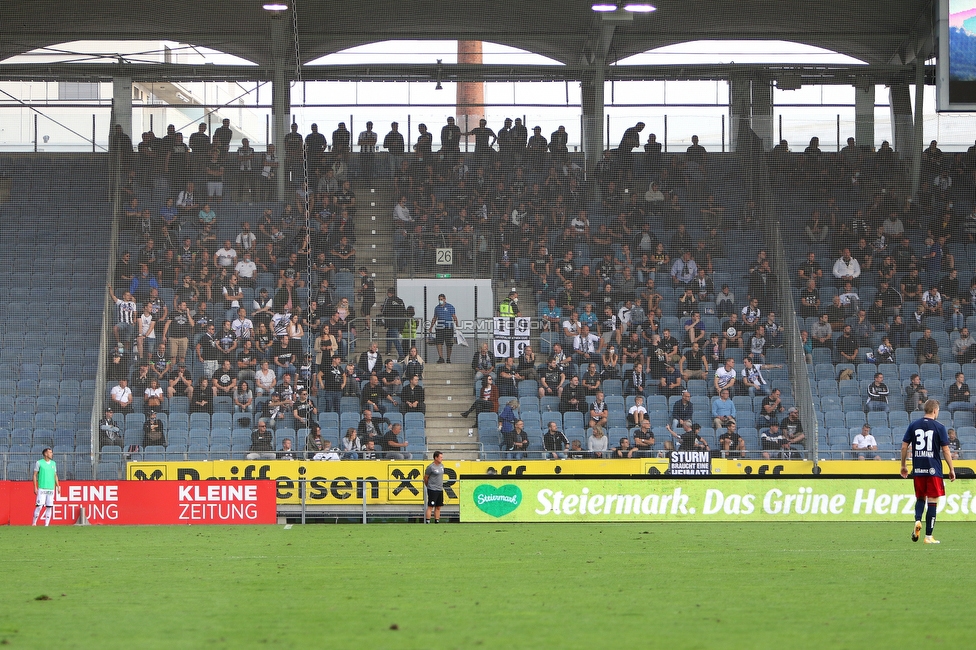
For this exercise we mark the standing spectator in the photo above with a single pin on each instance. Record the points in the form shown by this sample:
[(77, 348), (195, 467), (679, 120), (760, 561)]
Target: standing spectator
[(878, 394), (393, 143), (367, 150), (442, 325)]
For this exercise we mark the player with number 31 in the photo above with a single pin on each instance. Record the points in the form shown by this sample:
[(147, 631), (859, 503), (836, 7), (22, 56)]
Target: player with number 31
[(929, 443)]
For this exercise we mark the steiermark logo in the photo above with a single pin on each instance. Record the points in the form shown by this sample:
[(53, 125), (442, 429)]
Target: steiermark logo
[(497, 501)]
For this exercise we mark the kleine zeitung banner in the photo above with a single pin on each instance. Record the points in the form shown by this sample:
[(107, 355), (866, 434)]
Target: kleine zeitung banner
[(146, 502)]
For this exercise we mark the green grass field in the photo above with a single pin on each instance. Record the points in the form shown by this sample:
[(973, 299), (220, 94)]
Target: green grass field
[(463, 586)]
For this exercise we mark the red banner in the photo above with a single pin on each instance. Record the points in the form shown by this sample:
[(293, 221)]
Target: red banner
[(145, 502)]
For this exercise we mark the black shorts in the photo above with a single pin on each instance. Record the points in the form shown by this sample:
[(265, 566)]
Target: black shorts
[(435, 498), (444, 336)]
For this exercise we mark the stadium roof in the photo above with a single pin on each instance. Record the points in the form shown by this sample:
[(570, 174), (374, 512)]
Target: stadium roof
[(875, 31)]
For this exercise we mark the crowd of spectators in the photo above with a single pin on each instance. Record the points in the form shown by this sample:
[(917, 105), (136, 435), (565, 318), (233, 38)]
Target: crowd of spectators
[(880, 282), (257, 316)]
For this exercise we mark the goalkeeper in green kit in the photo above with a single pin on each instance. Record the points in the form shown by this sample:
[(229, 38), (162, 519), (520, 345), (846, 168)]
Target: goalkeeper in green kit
[(45, 485)]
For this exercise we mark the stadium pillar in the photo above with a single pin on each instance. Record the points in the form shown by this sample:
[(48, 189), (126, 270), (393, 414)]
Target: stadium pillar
[(762, 111), (902, 122), (592, 100), (282, 55), (740, 107), (122, 103), (864, 116)]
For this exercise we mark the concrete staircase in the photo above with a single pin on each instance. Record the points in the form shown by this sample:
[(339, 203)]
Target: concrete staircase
[(448, 389)]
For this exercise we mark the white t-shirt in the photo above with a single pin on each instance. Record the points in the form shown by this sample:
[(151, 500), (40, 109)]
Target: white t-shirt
[(122, 395), (246, 269), (724, 376), (226, 257), (589, 343), (637, 408), (862, 441)]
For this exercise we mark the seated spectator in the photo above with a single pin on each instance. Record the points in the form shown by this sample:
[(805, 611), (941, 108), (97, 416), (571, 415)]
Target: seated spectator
[(955, 445), (109, 432), (821, 333), (723, 410), (152, 431), (683, 270), (554, 442), (753, 381), (878, 395), (586, 346), (693, 364), (885, 352), (915, 394), (682, 412), (122, 397), (573, 398), (846, 268), (376, 398), (724, 378), (369, 428), (725, 302), (927, 349), (643, 440), (846, 346), (487, 400), (393, 447), (508, 379), (731, 443), (637, 413), (412, 396), (732, 332), (864, 443), (772, 440), (597, 444), (771, 408), (636, 381), (932, 302), (624, 450), (515, 441), (243, 398), (262, 443), (591, 380), (959, 395), (352, 446), (962, 347), (599, 411), (286, 452), (670, 383)]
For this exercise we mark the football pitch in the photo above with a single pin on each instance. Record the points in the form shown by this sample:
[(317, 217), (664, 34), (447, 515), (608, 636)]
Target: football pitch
[(679, 585)]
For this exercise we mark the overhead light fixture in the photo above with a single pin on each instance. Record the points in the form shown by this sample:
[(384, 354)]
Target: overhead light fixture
[(640, 8), (604, 7), (275, 6)]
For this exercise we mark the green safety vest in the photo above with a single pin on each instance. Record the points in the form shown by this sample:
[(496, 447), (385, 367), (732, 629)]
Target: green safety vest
[(505, 309)]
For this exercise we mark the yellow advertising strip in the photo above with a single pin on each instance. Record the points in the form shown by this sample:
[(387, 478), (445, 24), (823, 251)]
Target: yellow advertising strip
[(340, 482)]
